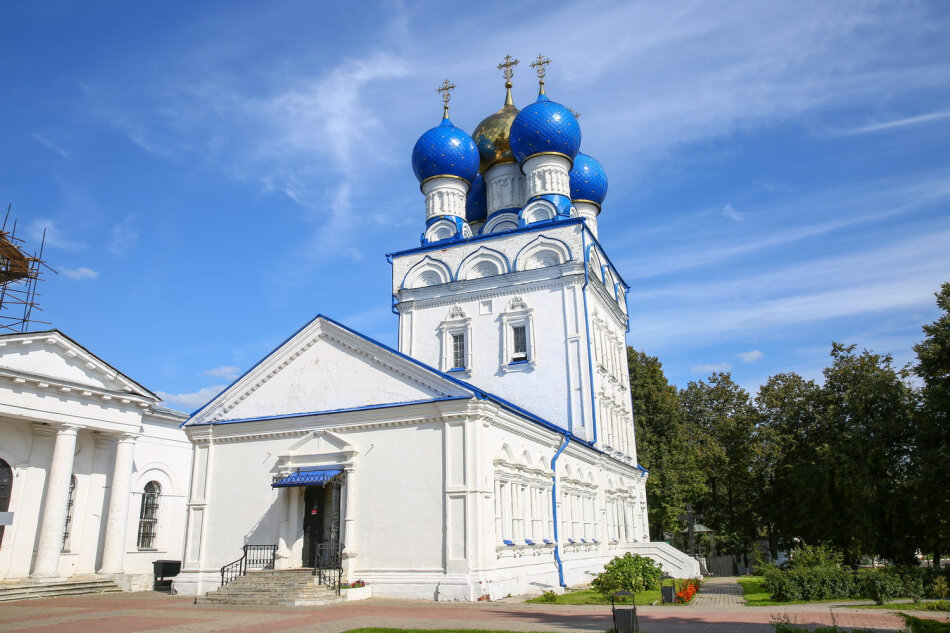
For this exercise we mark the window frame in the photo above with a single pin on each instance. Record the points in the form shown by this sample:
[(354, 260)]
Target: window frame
[(517, 315), (150, 521), (456, 323)]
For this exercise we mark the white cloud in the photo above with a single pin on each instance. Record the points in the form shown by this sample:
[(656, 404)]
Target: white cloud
[(80, 273), (123, 237), (229, 372), (53, 235), (193, 400), (48, 144), (731, 213), (895, 123), (711, 367), (750, 356)]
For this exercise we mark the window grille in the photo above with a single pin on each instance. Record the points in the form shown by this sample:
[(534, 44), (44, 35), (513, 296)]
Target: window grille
[(70, 506), (458, 351), (148, 515), (520, 343)]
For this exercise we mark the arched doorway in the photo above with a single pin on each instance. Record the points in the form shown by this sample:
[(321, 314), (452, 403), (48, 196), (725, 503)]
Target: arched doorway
[(6, 488)]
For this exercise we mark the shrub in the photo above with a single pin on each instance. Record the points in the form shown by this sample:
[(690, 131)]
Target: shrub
[(939, 605), (548, 596), (882, 586), (938, 588), (815, 583), (629, 572), (812, 556)]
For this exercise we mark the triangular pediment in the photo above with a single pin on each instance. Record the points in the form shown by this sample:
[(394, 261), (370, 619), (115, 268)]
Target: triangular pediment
[(53, 356), (327, 367)]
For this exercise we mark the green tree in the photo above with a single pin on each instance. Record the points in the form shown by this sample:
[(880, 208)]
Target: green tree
[(931, 466), (665, 447), (722, 415), (789, 425), (864, 454)]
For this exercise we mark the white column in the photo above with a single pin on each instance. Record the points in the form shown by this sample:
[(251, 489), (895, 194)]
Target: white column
[(113, 550), (50, 542)]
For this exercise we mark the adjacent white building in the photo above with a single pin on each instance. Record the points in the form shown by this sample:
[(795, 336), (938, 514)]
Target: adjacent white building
[(494, 451), (93, 468)]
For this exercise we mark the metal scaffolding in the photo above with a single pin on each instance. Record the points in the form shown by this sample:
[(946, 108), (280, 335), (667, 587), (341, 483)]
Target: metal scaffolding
[(20, 273)]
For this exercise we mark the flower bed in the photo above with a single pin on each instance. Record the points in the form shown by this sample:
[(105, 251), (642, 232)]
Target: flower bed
[(687, 590)]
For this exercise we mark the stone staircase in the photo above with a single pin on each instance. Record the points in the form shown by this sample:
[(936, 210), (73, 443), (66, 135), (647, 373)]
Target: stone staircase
[(76, 586), (284, 587)]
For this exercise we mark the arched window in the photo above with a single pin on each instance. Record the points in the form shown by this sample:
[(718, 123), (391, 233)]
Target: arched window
[(70, 506), (148, 515), (6, 486)]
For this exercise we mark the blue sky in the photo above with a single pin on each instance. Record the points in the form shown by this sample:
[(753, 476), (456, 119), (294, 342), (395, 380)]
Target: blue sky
[(211, 175)]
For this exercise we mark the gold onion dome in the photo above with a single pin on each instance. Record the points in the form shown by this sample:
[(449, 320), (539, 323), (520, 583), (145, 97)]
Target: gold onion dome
[(492, 135)]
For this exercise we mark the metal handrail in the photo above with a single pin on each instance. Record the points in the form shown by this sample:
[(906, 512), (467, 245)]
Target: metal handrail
[(253, 557), (328, 566)]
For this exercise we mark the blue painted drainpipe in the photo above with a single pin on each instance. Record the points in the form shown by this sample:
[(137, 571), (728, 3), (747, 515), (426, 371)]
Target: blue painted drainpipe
[(557, 541)]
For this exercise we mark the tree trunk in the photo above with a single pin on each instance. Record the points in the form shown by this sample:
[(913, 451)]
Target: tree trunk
[(773, 544), (936, 559)]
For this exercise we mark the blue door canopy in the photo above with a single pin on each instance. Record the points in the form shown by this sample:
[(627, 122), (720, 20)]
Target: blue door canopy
[(313, 477)]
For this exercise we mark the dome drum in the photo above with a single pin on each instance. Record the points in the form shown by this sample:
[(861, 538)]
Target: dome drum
[(547, 173), (445, 196)]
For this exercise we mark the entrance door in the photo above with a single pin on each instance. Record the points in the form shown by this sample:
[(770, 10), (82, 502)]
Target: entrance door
[(6, 486), (321, 525)]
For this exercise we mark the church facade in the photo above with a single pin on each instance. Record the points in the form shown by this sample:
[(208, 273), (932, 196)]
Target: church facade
[(493, 452)]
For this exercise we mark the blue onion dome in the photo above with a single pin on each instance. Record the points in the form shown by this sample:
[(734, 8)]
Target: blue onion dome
[(476, 204), (588, 179), (492, 136), (545, 126), (445, 150)]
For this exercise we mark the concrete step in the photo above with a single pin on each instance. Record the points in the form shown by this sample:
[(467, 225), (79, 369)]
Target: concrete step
[(30, 590), (284, 587)]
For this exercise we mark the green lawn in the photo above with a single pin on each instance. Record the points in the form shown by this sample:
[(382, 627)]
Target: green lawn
[(903, 606), (589, 596)]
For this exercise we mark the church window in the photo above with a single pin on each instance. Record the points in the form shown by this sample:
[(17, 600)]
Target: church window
[(456, 335), (70, 507), (518, 338), (6, 487), (520, 351), (148, 516), (458, 351)]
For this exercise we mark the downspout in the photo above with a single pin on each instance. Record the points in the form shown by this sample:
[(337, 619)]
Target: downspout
[(557, 541), (590, 355)]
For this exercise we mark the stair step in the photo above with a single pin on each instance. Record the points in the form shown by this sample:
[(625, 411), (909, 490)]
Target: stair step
[(279, 587), (31, 590)]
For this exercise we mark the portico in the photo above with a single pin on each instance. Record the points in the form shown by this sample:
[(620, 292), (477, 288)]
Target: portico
[(80, 443)]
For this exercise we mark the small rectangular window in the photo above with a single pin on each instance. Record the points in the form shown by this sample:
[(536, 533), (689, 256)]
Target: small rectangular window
[(458, 351), (520, 350)]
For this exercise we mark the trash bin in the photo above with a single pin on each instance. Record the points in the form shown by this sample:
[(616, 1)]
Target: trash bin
[(625, 619), (667, 594), (163, 569)]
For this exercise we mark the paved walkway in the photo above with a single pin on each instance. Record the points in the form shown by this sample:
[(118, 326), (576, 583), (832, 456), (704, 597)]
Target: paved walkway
[(719, 592), (157, 613)]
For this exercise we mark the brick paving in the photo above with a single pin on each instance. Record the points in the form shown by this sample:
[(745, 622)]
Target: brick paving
[(719, 592), (157, 613)]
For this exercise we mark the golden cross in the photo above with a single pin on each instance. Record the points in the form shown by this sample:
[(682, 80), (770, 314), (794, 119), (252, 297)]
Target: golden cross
[(506, 66), (574, 112), (539, 65), (446, 89)]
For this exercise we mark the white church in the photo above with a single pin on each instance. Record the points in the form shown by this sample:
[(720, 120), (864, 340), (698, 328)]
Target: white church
[(493, 452)]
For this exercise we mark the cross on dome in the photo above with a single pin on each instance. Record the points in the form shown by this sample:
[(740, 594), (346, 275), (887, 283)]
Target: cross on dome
[(539, 66), (506, 66), (446, 89)]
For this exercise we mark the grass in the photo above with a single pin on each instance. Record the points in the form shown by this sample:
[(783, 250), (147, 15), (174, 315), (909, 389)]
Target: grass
[(929, 605), (589, 596)]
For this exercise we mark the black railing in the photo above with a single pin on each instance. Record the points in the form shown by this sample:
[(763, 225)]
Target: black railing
[(328, 565), (254, 557)]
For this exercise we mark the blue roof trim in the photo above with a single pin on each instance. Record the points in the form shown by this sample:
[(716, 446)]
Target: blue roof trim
[(311, 477), (304, 414)]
